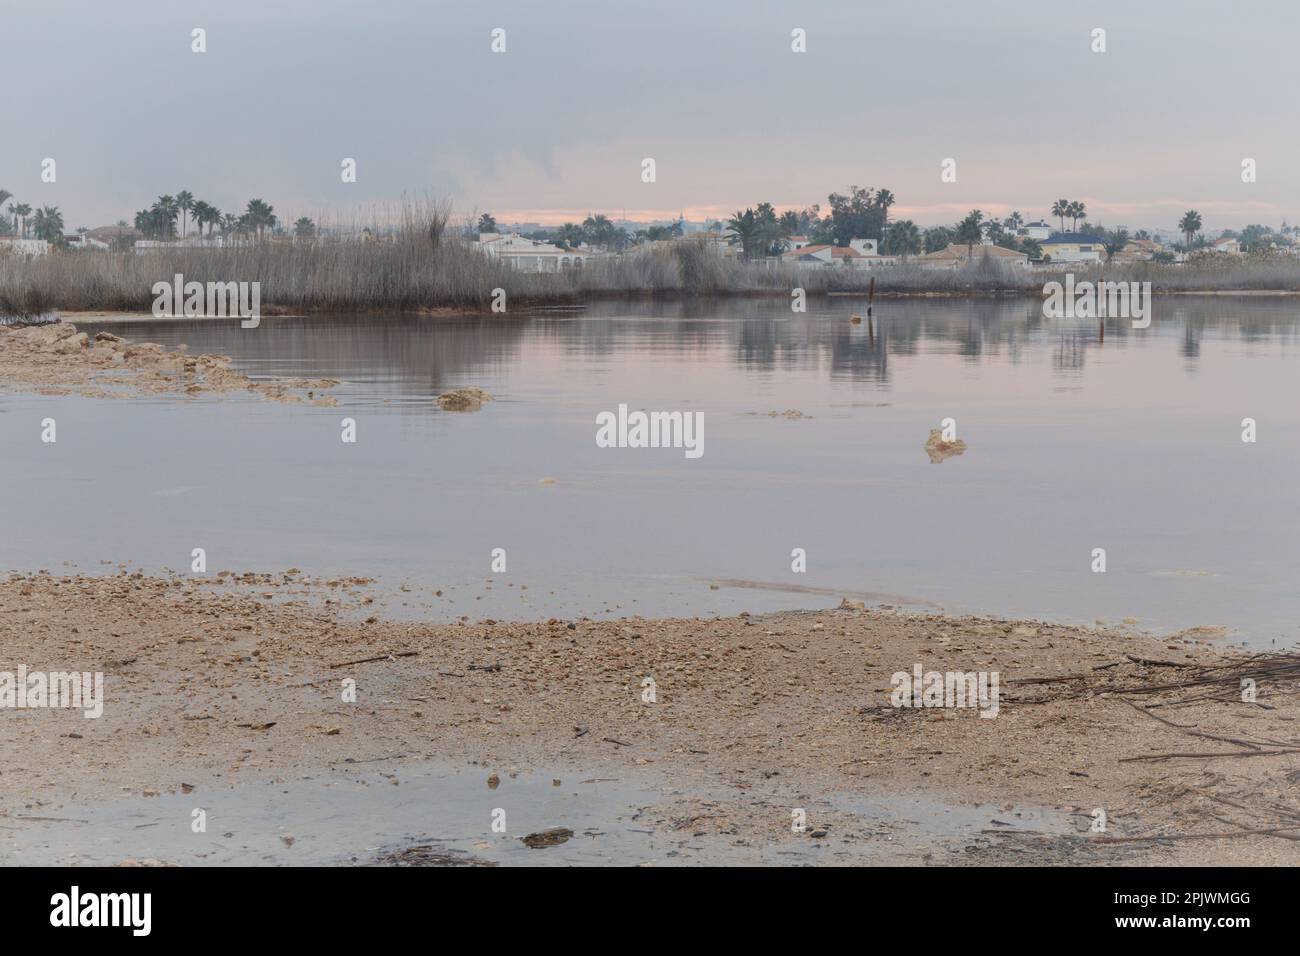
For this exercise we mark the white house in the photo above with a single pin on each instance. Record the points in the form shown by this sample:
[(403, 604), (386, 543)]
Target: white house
[(529, 255), (1038, 231), (31, 248), (1230, 246), (859, 254), (80, 240), (143, 246)]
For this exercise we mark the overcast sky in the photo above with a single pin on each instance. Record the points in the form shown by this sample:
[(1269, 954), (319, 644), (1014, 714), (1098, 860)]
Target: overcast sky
[(558, 125)]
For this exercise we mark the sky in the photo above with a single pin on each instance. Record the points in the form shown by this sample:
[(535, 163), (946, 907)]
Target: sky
[(557, 126)]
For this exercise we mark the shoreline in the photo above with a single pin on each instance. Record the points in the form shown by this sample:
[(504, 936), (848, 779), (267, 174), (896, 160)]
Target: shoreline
[(55, 359), (210, 685), (586, 301)]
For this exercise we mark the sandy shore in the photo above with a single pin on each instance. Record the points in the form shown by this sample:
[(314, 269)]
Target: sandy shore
[(221, 684)]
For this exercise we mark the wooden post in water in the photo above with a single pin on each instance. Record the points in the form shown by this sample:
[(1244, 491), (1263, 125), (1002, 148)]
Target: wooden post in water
[(871, 324)]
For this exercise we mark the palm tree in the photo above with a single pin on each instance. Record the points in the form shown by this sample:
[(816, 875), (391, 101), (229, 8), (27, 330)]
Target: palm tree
[(1014, 221), (744, 228), (165, 210), (969, 231), (260, 216), (211, 216), (885, 199), (304, 228), (229, 224), (902, 239), (22, 211), (184, 202), (936, 238), (769, 230), (600, 231), (5, 196), (1113, 241), (48, 224), (1061, 208), (147, 222), (571, 235), (1190, 225), (202, 214), (1076, 212)]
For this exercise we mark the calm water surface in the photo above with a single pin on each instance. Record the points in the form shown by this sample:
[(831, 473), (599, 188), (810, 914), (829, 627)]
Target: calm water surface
[(1131, 442)]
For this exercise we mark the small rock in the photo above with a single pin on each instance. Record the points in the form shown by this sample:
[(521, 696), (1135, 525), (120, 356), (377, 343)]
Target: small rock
[(552, 837), (940, 450), (463, 400)]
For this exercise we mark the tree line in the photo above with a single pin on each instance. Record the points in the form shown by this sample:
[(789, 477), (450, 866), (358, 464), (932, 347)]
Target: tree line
[(760, 231), (159, 221), (21, 220)]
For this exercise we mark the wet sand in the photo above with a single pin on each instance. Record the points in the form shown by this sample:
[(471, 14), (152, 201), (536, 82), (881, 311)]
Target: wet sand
[(213, 683), (56, 359)]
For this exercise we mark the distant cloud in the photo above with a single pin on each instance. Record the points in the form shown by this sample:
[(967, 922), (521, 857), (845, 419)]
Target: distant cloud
[(558, 125)]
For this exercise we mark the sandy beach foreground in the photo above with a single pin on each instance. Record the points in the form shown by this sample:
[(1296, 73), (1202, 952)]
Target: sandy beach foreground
[(213, 683)]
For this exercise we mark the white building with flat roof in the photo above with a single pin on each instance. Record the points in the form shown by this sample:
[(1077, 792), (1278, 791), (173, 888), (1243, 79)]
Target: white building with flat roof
[(30, 248), (80, 240), (530, 255), (145, 246)]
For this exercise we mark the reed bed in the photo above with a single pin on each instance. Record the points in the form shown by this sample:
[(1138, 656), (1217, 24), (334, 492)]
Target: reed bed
[(423, 267)]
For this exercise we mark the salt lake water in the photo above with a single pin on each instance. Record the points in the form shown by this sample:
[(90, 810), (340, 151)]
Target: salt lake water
[(1129, 441)]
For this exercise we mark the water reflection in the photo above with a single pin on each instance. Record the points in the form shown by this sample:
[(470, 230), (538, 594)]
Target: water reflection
[(416, 356), (1081, 435)]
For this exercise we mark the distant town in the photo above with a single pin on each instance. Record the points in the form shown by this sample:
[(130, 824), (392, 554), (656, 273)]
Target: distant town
[(854, 230)]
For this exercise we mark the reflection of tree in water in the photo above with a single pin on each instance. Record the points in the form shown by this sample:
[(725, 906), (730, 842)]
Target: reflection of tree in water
[(763, 344), (662, 327), (759, 342), (985, 326), (899, 327), (860, 352), (1071, 352), (1257, 319), (424, 355), (1193, 329)]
